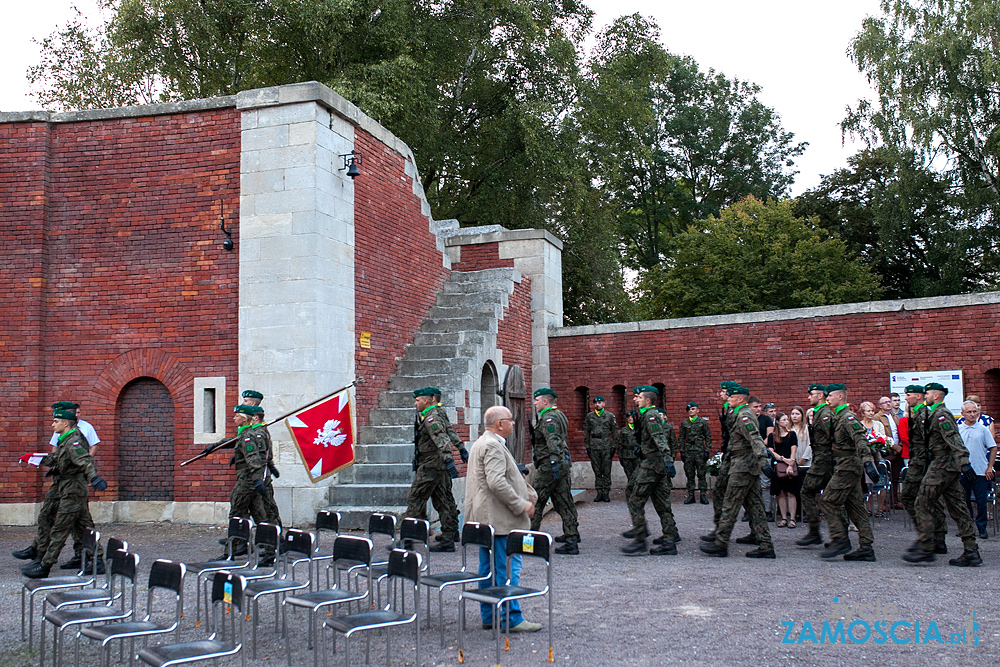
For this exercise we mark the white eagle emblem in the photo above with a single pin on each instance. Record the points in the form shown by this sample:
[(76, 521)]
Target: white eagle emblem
[(330, 435)]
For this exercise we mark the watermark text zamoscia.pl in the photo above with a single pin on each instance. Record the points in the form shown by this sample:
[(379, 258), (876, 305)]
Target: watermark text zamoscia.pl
[(878, 624)]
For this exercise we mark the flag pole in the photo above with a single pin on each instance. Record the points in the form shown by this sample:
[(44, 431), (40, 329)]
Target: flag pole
[(224, 443)]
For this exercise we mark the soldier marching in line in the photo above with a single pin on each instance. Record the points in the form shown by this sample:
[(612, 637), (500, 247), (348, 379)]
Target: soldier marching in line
[(552, 470), (600, 434)]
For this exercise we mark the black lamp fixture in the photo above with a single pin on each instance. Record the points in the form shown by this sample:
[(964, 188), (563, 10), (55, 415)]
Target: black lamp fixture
[(228, 243), (351, 162)]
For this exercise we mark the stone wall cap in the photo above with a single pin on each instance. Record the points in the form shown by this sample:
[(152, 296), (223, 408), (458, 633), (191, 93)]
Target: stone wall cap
[(896, 305), (138, 111), (497, 234)]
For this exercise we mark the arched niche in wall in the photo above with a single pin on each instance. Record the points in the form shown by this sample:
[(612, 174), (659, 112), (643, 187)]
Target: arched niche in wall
[(619, 403), (489, 386), (145, 413)]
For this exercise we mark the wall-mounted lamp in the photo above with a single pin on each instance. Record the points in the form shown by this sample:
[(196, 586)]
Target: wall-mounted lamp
[(351, 162), (228, 243)]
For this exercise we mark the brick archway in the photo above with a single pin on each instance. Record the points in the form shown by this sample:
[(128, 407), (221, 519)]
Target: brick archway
[(145, 441)]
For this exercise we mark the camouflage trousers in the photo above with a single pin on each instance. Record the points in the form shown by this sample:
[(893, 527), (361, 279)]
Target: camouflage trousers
[(842, 500), (600, 462), (941, 484), (270, 506), (629, 465), (47, 515), (908, 497), (815, 481), (719, 493), (562, 500), (431, 482), (694, 466), (743, 490), (244, 501), (650, 484), (69, 511)]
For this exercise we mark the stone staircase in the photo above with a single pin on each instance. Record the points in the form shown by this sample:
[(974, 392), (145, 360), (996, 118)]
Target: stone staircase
[(457, 335)]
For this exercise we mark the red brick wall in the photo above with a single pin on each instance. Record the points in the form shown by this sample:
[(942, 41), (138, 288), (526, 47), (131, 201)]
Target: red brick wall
[(113, 226), (479, 257), (146, 438), (398, 268), (514, 339), (777, 360)]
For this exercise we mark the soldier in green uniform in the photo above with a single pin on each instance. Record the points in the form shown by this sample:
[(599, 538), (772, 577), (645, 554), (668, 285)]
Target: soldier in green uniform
[(695, 438), (821, 470), (657, 449), (600, 433), (431, 480), (550, 452), (917, 466), (269, 507), (749, 458), (450, 466), (851, 456), (73, 469), (250, 460), (628, 448), (949, 460)]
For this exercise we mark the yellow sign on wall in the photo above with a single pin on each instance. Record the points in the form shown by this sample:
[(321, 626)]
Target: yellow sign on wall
[(365, 339)]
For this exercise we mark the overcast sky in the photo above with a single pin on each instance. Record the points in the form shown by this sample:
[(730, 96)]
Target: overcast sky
[(794, 50)]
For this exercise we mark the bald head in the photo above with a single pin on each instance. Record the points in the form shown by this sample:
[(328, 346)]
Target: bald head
[(495, 414)]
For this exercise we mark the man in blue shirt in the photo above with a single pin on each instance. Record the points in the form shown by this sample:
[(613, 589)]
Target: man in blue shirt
[(982, 455)]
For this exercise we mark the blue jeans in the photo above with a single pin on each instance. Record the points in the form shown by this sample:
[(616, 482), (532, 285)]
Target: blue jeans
[(980, 488), (500, 576)]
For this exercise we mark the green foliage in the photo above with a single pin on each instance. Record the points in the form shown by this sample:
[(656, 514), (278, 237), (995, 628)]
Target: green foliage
[(914, 227), (755, 256)]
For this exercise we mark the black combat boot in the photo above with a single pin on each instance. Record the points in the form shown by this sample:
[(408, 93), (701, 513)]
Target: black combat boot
[(863, 553), (918, 555), (714, 549), (969, 558), (708, 538), (760, 553), (941, 548), (747, 539), (35, 571), (562, 538), (634, 549), (629, 534), (25, 554), (445, 546), (811, 538), (665, 548), (74, 563), (568, 549), (837, 547), (704, 498), (690, 499)]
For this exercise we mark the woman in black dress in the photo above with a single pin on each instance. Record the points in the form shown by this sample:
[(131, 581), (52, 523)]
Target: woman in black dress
[(783, 445)]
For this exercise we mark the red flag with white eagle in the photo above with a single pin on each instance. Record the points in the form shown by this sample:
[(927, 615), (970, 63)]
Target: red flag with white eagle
[(324, 435)]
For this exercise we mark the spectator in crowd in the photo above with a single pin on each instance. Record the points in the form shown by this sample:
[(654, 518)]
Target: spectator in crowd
[(896, 409), (804, 454), (984, 418), (982, 455), (894, 459), (877, 501), (784, 446)]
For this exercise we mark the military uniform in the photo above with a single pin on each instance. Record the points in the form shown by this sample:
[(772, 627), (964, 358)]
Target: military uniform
[(722, 479), (747, 454), (550, 452), (947, 454), (250, 459), (915, 469), (600, 431), (627, 448), (431, 480), (821, 470), (695, 438), (269, 507), (73, 469), (843, 492), (657, 449)]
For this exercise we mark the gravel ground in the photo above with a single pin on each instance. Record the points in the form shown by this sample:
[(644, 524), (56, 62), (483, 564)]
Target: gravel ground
[(613, 609)]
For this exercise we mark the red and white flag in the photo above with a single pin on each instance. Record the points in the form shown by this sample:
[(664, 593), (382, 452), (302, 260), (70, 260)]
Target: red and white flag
[(324, 435), (34, 459)]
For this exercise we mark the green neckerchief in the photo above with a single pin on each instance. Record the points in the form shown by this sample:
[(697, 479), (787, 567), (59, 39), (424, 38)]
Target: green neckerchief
[(931, 408), (840, 408), (545, 410), (737, 409), (423, 413), (64, 436), (819, 406), (240, 430), (631, 426), (693, 419), (725, 405), (642, 411), (599, 413)]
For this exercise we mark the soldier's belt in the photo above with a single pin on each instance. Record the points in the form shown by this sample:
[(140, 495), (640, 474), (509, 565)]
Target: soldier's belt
[(241, 466)]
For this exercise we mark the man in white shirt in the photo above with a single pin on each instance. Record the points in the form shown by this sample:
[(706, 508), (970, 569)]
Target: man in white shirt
[(86, 520), (982, 455)]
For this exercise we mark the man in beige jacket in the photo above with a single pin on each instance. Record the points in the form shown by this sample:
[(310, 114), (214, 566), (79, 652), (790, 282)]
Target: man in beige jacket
[(497, 494)]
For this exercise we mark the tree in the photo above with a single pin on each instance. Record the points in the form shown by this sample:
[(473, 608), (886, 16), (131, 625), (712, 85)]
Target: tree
[(672, 144), (908, 223), (756, 256)]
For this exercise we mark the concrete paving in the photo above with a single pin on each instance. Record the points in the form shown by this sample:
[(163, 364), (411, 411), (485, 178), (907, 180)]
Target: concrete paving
[(690, 609)]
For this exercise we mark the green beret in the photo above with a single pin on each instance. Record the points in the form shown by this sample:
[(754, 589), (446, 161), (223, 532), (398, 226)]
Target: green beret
[(935, 385), (643, 388), (914, 389), (726, 384), (692, 404), (64, 414), (818, 387), (245, 409), (65, 405), (426, 391), (730, 391), (544, 391), (598, 398), (250, 393), (836, 386), (257, 410)]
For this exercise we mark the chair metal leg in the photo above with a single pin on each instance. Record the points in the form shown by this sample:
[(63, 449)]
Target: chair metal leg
[(256, 609)]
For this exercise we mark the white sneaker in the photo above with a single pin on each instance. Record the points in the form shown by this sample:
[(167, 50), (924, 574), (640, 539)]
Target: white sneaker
[(526, 626)]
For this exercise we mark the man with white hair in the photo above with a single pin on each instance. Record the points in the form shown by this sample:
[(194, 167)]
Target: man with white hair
[(982, 455)]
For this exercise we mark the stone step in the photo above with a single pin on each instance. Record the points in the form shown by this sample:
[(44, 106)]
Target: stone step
[(420, 367), (490, 307), (379, 495), (476, 286), (397, 453), (450, 338), (386, 435), (378, 473), (472, 299), (394, 400), (410, 382), (501, 273), (356, 518), (392, 416), (481, 324), (415, 352)]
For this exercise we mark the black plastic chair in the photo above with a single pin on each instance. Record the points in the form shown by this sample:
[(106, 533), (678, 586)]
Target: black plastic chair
[(519, 542), (265, 536), (239, 529), (296, 547), (473, 535), (346, 549), (327, 521), (378, 524), (164, 575), (123, 568), (414, 535), (404, 572), (227, 600), (90, 595), (83, 579)]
